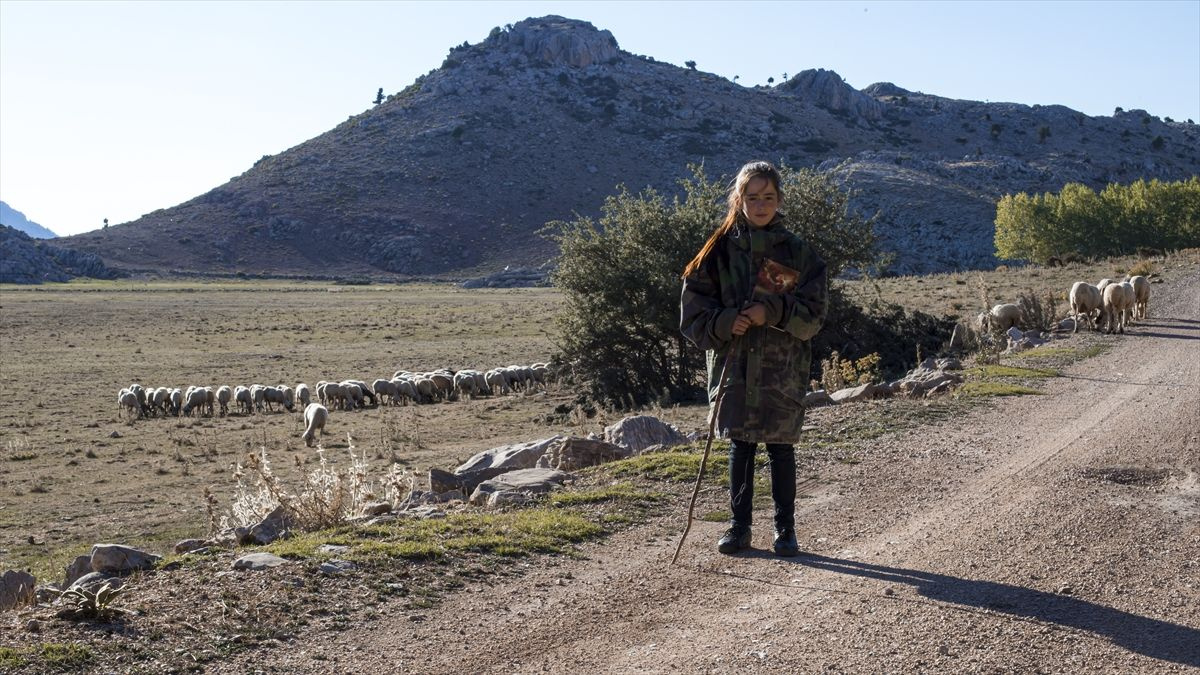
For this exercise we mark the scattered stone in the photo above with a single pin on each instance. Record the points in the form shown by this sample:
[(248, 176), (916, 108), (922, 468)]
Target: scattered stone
[(79, 567), (508, 457), (189, 545), (576, 453), (275, 526), (33, 626), (1066, 589), (94, 580), (115, 434), (532, 481), (17, 589), (332, 549), (641, 431), (863, 392), (117, 559), (258, 561), (509, 498), (337, 566), (443, 481), (816, 399), (47, 593), (376, 508)]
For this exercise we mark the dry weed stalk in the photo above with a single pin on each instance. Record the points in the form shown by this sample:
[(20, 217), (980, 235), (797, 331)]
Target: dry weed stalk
[(327, 497)]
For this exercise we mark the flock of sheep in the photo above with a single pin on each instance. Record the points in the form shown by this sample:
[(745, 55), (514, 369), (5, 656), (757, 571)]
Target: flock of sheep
[(1108, 306), (402, 388)]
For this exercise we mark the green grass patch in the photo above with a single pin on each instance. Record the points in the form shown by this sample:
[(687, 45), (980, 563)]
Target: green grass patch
[(66, 656), (675, 466), (716, 516), (997, 370), (620, 493), (11, 659), (980, 389)]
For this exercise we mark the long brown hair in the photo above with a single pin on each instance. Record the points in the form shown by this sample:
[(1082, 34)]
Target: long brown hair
[(737, 191)]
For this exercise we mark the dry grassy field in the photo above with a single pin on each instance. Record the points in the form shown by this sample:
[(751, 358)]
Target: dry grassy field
[(74, 472)]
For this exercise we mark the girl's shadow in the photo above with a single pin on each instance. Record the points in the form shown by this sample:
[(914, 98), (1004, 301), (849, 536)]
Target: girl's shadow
[(1151, 637)]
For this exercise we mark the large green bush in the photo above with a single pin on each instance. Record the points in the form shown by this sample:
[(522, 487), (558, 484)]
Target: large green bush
[(618, 333), (1116, 221)]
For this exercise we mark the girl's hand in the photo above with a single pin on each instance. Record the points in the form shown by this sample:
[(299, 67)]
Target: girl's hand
[(753, 315), (756, 313)]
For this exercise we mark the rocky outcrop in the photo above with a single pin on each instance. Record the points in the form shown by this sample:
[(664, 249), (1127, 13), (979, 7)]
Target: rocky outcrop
[(557, 41), (643, 431), (24, 260), (827, 89)]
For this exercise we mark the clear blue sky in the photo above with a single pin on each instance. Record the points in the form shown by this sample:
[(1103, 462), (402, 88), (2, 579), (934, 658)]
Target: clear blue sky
[(115, 109)]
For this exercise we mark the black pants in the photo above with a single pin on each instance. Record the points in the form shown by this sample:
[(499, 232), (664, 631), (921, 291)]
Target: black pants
[(783, 483)]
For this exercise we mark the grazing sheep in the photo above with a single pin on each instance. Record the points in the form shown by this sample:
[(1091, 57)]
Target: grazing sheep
[(1103, 284), (195, 398), (496, 381), (245, 400), (176, 401), (464, 384), (352, 395), (157, 400), (128, 399), (1118, 301), (256, 394), (481, 385), (366, 391), (386, 388), (1085, 299), (224, 396), (1003, 317), (405, 390), (315, 416), (275, 395), (303, 395), (289, 396), (443, 384), (1141, 291)]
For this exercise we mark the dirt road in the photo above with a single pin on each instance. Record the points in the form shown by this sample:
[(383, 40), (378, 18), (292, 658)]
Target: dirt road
[(1054, 532)]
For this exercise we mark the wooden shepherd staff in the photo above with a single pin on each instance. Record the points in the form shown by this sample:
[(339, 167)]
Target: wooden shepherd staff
[(712, 424)]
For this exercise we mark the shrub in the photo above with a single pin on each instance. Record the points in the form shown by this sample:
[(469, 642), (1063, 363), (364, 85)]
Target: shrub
[(1037, 313)]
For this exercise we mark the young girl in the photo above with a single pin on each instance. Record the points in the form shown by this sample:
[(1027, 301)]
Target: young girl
[(753, 297)]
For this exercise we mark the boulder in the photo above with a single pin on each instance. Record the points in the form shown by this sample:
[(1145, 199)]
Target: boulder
[(258, 561), (864, 392), (17, 589), (957, 338), (337, 566), (641, 431), (118, 559), (816, 399), (507, 457), (92, 581), (576, 453), (275, 526), (79, 567), (189, 545), (532, 481), (376, 508), (509, 498)]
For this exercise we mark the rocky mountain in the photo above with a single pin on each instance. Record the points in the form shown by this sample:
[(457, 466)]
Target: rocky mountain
[(17, 220), (456, 174)]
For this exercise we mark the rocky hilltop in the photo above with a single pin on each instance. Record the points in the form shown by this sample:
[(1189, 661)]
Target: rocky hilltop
[(456, 174)]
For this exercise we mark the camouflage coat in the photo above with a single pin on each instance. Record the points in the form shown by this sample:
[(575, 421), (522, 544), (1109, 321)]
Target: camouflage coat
[(768, 373)]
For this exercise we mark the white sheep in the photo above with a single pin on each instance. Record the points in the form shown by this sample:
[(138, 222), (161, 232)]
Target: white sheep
[(256, 395), (464, 384), (224, 396), (366, 391), (176, 396), (275, 395), (405, 390), (315, 416), (1085, 299), (496, 381), (196, 398), (386, 388), (352, 395), (1003, 317), (1118, 301), (303, 394), (289, 396), (1103, 284), (128, 399), (245, 400), (1141, 291)]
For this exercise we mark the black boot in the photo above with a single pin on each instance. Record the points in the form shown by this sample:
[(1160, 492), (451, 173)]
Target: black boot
[(785, 543), (735, 539)]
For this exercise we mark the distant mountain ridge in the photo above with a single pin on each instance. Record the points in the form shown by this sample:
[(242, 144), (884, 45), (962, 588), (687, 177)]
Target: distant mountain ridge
[(17, 220), (456, 174)]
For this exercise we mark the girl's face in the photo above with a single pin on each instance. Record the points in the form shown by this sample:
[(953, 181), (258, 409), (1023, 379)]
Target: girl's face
[(760, 201)]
